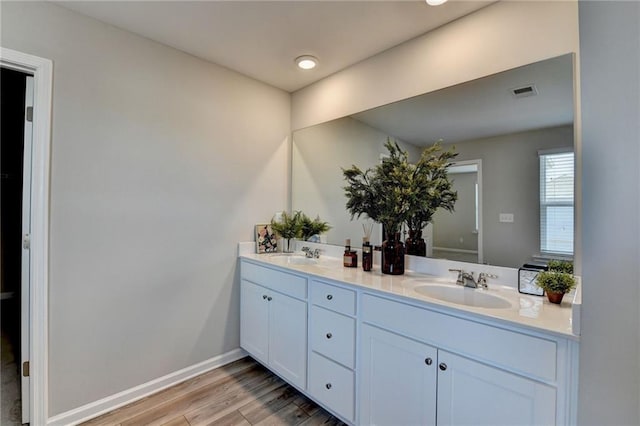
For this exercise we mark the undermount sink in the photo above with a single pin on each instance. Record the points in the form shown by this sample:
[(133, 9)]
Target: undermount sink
[(463, 296)]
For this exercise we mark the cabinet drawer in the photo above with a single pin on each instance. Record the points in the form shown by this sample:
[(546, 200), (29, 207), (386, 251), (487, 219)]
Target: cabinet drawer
[(333, 385), (332, 297), (521, 353), (333, 335), (289, 284)]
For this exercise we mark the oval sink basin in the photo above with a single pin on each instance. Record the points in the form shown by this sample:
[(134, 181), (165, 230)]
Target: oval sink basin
[(463, 296)]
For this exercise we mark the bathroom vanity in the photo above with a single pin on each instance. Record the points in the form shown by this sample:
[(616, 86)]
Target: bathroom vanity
[(411, 349)]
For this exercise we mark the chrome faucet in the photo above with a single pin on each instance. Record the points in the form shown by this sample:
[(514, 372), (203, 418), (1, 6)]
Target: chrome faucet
[(311, 254), (467, 279)]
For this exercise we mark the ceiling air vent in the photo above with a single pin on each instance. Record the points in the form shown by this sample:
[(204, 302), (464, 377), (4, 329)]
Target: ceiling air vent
[(524, 91)]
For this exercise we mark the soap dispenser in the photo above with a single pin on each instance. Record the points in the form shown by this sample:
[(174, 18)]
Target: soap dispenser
[(350, 259)]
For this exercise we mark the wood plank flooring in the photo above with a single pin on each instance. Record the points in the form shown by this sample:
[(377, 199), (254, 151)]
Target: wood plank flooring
[(242, 393)]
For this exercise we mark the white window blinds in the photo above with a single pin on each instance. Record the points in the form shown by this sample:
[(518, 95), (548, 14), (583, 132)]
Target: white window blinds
[(556, 203)]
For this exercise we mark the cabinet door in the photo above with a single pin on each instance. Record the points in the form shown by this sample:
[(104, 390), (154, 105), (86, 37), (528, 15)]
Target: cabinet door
[(398, 380), (288, 338), (470, 393), (254, 320)]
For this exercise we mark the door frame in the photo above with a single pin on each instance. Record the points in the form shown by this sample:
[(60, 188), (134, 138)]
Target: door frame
[(478, 163), (42, 71)]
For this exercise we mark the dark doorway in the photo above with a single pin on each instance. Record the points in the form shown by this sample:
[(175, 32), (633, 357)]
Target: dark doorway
[(12, 120)]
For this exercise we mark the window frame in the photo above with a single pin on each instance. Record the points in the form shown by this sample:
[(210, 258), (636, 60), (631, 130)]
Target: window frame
[(544, 204)]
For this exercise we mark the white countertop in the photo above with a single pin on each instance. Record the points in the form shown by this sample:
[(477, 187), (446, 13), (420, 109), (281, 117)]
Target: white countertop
[(532, 312)]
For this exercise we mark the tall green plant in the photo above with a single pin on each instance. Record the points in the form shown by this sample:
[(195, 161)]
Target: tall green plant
[(381, 192), (431, 188), (397, 191)]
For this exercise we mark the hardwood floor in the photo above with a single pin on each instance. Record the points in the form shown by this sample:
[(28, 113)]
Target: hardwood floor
[(241, 393)]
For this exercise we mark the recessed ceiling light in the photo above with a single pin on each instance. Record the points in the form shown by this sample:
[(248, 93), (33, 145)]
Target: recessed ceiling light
[(306, 62), (436, 2)]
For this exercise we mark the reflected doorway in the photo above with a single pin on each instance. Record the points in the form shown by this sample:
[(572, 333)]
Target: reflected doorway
[(457, 235)]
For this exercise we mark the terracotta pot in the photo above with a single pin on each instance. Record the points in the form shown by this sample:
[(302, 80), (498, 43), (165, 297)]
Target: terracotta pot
[(555, 297)]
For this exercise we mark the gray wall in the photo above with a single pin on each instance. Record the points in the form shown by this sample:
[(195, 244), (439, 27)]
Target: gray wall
[(499, 37), (161, 163), (510, 184), (610, 344), (319, 154)]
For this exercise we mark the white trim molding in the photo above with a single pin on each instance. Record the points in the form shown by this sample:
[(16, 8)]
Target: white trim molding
[(42, 71), (110, 403)]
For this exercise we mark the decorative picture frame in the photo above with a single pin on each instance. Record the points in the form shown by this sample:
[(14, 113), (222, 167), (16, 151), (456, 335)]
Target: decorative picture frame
[(266, 239), (527, 281)]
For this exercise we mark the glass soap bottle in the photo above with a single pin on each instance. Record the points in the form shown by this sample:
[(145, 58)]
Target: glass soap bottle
[(350, 259), (367, 255)]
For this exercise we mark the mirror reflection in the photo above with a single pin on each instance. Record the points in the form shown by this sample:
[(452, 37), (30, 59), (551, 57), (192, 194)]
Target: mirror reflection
[(514, 172)]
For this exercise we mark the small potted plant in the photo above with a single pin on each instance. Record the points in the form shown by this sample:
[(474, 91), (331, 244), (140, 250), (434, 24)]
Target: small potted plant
[(557, 281), (312, 227), (288, 228)]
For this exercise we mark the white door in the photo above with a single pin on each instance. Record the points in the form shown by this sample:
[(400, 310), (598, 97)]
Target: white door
[(254, 320), (288, 338), (398, 380), (471, 393), (25, 312)]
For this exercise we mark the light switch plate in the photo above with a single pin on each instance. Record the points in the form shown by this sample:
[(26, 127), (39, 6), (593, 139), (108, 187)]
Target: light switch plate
[(506, 217)]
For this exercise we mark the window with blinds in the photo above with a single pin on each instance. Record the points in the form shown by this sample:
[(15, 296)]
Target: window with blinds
[(556, 202)]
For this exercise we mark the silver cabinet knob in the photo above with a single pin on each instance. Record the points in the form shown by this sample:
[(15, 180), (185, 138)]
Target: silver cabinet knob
[(264, 296), (328, 385), (442, 366), (329, 335), (269, 298), (428, 361), (329, 296)]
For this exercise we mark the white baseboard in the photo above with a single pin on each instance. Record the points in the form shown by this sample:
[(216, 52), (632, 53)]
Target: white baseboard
[(104, 405)]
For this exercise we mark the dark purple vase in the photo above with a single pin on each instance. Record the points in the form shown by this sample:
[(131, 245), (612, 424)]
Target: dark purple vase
[(415, 244), (393, 255)]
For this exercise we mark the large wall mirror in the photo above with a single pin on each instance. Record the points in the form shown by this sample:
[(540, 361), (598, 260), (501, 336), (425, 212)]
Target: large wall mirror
[(514, 171)]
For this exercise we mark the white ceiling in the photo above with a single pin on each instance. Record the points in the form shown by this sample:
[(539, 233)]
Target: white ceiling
[(482, 108), (261, 39)]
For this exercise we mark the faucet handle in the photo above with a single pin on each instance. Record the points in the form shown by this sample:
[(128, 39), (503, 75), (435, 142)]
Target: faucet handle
[(487, 275), (460, 279), (482, 278)]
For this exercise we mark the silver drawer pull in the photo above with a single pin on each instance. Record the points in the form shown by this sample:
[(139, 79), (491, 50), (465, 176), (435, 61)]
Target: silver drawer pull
[(328, 385), (269, 298), (264, 296), (329, 335), (329, 296), (443, 366), (428, 361)]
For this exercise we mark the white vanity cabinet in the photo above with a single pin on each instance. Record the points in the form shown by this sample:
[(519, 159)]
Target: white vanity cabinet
[(397, 379), (273, 320), (470, 392), (411, 375), (376, 358), (332, 347)]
